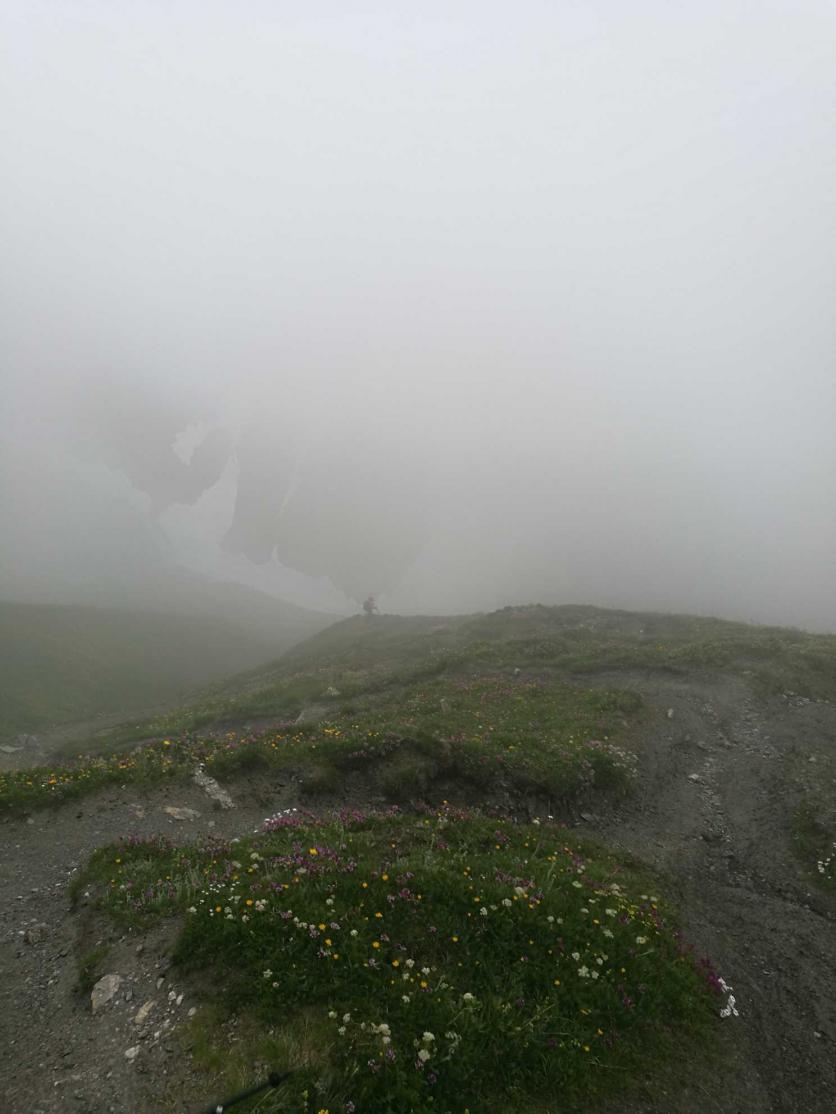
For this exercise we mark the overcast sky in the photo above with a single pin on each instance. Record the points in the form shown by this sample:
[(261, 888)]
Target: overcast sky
[(458, 303)]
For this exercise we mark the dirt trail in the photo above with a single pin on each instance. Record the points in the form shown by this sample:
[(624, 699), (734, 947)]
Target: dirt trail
[(720, 838), (712, 816)]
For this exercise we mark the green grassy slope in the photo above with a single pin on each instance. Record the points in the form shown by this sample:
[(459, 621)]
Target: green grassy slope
[(63, 663), (359, 656)]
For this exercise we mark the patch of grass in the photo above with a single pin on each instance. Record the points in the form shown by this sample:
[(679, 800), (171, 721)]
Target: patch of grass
[(541, 735), (814, 841), (812, 823), (536, 736), (89, 968), (439, 960)]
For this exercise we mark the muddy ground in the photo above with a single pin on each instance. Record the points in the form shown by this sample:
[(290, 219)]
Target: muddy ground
[(717, 788)]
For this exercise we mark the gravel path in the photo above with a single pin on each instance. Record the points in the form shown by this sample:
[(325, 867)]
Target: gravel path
[(712, 816)]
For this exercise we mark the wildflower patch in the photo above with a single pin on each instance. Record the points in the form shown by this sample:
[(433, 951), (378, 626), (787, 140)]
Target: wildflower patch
[(443, 958)]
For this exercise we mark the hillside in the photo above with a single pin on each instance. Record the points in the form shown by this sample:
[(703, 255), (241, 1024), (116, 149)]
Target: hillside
[(65, 663), (361, 658), (546, 851)]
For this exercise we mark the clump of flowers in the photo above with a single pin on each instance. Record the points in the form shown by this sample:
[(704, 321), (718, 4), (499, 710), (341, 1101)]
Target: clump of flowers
[(439, 947), (824, 866)]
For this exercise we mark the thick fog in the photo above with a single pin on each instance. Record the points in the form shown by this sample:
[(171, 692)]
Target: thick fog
[(460, 304)]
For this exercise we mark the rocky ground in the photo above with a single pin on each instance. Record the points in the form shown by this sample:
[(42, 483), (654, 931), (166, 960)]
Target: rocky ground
[(711, 815)]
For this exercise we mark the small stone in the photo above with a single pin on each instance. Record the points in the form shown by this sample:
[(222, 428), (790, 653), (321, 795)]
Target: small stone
[(178, 1000), (694, 777), (160, 982), (192, 1011), (142, 1013), (177, 813), (104, 991), (670, 713), (587, 816), (132, 1053)]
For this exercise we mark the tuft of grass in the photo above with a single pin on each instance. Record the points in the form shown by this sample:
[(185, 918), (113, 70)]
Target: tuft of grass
[(814, 841), (89, 968), (443, 959)]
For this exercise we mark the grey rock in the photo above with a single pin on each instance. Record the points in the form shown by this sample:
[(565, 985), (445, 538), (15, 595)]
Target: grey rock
[(212, 788), (132, 1053), (104, 991), (177, 813)]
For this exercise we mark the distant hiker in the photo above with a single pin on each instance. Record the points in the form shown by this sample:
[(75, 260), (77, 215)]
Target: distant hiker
[(369, 606)]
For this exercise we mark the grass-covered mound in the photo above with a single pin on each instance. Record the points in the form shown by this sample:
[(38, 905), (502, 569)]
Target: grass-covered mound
[(438, 961), (534, 735)]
